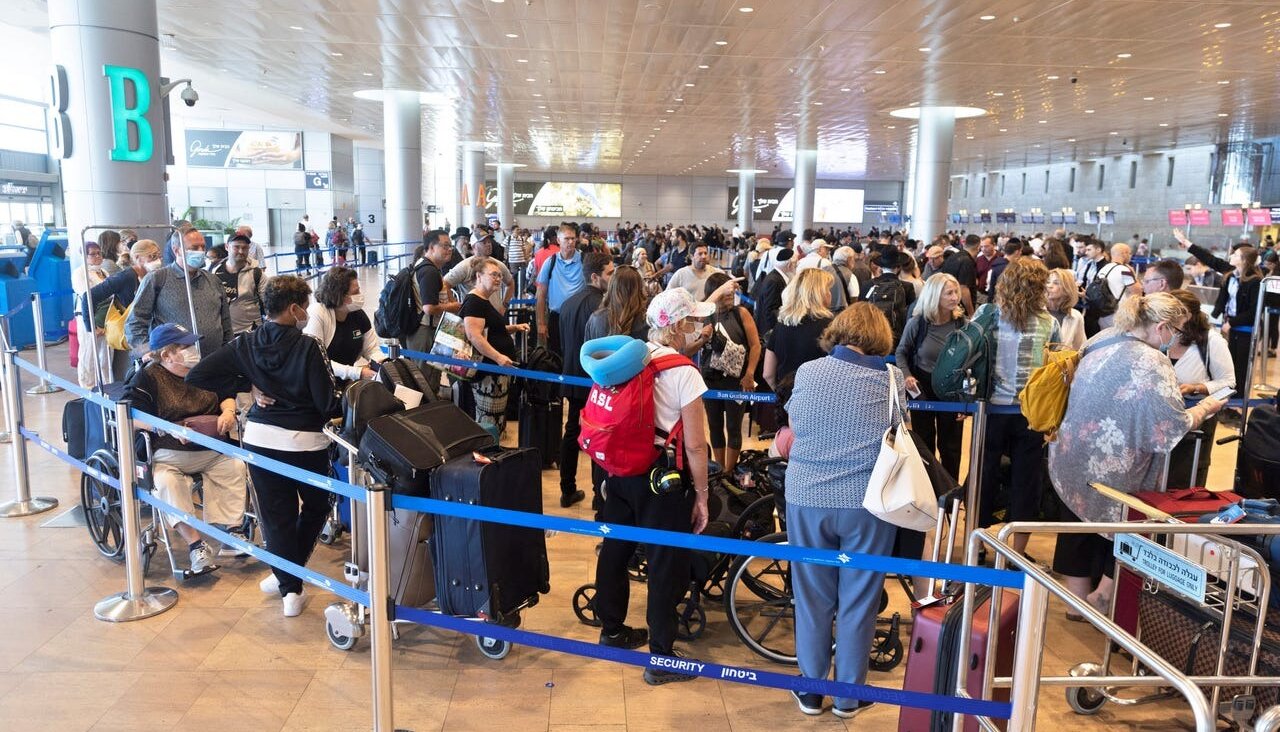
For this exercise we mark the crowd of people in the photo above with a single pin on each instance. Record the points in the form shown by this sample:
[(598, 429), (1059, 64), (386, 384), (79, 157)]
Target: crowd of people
[(844, 326)]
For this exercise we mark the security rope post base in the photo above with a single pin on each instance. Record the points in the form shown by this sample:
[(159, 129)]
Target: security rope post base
[(23, 504), (381, 606), (137, 601), (37, 319)]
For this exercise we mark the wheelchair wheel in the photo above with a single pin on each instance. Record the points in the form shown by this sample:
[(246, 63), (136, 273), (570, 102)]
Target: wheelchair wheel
[(101, 505), (584, 605), (691, 620), (760, 606), (757, 521), (886, 651)]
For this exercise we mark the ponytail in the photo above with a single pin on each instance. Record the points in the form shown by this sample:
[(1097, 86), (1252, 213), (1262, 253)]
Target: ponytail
[(1145, 310)]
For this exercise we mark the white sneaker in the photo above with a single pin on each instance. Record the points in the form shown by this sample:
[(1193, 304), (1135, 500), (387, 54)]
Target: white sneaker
[(270, 584), (201, 558), (293, 604)]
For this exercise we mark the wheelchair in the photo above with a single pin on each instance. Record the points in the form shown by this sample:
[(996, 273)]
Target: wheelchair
[(102, 507)]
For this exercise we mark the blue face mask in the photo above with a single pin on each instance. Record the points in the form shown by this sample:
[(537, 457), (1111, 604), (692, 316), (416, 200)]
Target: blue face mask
[(1164, 347), (195, 260)]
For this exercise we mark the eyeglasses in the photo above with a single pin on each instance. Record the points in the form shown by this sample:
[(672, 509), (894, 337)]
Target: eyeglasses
[(1146, 280)]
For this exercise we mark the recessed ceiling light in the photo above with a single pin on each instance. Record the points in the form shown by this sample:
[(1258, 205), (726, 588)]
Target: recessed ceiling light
[(1088, 111), (997, 94), (1042, 121), (1148, 99), (662, 121), (522, 60), (817, 104), (513, 35), (1113, 133), (679, 99), (1221, 25), (844, 89), (542, 106), (1053, 77), (1071, 139), (655, 129), (335, 53), (703, 66), (295, 27), (1164, 124), (367, 74), (537, 95), (1004, 129), (722, 43), (690, 83), (968, 137), (1224, 82), (1124, 55), (986, 17), (529, 78), (745, 9), (924, 49), (1223, 114), (892, 127)]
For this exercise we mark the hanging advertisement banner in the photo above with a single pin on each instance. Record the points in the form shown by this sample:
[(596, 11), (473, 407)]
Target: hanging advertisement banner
[(244, 149)]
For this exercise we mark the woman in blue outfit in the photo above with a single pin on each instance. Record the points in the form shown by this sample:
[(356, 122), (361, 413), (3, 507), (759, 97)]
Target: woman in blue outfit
[(836, 445)]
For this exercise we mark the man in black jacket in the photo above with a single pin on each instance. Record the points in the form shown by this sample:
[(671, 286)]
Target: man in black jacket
[(597, 268), (768, 292)]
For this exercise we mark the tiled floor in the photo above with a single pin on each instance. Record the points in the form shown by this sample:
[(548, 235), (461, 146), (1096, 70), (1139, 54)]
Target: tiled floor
[(225, 658)]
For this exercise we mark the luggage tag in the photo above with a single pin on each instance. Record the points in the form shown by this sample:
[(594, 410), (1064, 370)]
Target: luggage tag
[(1229, 515), (481, 459)]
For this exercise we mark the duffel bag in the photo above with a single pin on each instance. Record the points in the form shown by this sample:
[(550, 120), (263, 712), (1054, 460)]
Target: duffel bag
[(401, 449)]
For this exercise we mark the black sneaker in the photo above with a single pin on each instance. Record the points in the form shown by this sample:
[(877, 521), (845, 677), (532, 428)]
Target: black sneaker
[(628, 637), (658, 677), (569, 499), (810, 704), (852, 712)]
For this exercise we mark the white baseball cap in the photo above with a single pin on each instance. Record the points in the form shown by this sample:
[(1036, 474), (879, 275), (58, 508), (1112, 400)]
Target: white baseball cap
[(670, 306)]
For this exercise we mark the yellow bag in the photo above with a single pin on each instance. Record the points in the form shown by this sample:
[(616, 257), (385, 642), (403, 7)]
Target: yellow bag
[(1044, 398), (114, 326)]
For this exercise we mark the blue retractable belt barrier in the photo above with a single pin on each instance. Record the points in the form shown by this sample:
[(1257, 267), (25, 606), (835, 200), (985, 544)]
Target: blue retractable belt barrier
[(753, 677), (623, 532), (92, 396), (523, 301), (62, 455)]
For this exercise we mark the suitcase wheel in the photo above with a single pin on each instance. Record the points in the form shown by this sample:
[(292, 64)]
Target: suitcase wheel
[(493, 647), (584, 605), (1086, 700)]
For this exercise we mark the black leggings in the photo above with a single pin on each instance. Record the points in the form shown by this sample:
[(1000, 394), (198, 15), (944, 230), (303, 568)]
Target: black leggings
[(941, 431), (724, 416), (1008, 434), (1238, 343), (290, 531)]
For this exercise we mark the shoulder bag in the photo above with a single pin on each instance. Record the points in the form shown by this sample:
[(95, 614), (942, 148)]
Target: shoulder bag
[(900, 491)]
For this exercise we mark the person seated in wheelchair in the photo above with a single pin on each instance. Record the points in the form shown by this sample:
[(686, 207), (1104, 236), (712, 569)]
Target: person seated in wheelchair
[(159, 389)]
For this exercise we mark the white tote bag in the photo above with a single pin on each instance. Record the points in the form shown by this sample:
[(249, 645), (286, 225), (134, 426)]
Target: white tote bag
[(899, 490)]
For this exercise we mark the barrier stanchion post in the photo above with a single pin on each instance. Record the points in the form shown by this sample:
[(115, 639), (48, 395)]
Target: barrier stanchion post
[(973, 491), (393, 349), (381, 607), (137, 601), (37, 319), (6, 435), (24, 504), (1028, 655)]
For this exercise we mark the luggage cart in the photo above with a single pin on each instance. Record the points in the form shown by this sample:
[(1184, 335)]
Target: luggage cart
[(1236, 581), (346, 622)]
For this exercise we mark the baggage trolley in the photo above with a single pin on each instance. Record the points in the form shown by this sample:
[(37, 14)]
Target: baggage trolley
[(1238, 583), (346, 622)]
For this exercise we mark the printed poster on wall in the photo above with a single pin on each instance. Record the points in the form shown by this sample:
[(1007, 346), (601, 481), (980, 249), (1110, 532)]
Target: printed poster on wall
[(261, 149)]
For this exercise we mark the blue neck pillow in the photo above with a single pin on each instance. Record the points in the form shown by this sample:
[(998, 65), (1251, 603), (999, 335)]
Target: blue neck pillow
[(613, 360)]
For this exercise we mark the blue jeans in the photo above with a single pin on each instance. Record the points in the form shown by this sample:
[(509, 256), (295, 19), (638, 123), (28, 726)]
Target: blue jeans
[(849, 598)]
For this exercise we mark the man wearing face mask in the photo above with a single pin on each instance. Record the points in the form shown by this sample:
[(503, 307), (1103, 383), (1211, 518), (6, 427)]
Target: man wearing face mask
[(242, 281), (162, 298), (159, 389), (294, 396)]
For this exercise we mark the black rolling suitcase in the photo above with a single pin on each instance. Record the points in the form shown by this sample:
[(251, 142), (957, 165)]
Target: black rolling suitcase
[(73, 427), (402, 449), (485, 569), (541, 428)]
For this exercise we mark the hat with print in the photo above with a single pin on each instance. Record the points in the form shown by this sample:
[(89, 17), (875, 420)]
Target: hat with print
[(676, 304)]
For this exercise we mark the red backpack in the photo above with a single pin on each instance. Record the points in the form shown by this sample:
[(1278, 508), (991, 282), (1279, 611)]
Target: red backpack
[(618, 422)]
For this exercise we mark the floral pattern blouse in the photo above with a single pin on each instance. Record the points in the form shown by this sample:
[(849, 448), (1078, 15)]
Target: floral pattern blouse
[(1125, 414)]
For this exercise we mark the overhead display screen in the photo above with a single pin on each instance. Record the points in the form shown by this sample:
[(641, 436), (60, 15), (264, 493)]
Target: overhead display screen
[(830, 205), (557, 198)]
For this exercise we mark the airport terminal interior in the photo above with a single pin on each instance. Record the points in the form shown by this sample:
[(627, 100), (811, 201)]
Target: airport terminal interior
[(877, 124)]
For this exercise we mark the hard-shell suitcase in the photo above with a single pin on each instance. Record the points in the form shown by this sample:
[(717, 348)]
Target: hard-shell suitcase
[(73, 427), (542, 428), (402, 449), (413, 579), (484, 569)]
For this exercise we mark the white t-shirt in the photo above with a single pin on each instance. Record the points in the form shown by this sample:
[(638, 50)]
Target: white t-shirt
[(689, 278), (673, 389)]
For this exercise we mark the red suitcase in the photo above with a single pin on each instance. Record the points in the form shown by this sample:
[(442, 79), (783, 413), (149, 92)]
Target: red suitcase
[(931, 657)]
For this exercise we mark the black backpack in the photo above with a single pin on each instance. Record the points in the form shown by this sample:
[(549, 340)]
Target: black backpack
[(1098, 298), (399, 312), (892, 301)]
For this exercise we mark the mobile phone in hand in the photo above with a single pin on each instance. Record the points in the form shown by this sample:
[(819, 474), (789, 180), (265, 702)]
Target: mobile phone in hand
[(1222, 393)]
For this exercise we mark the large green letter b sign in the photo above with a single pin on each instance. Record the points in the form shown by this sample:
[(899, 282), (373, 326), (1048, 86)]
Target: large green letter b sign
[(124, 116)]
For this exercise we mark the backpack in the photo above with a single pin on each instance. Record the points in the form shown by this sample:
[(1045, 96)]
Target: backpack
[(399, 312), (1044, 397), (891, 301), (1098, 298), (618, 428), (965, 355)]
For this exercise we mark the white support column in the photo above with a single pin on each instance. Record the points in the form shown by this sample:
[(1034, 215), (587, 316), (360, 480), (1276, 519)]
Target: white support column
[(935, 136), (402, 163), (806, 182), (473, 180), (106, 116), (746, 199), (506, 193)]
